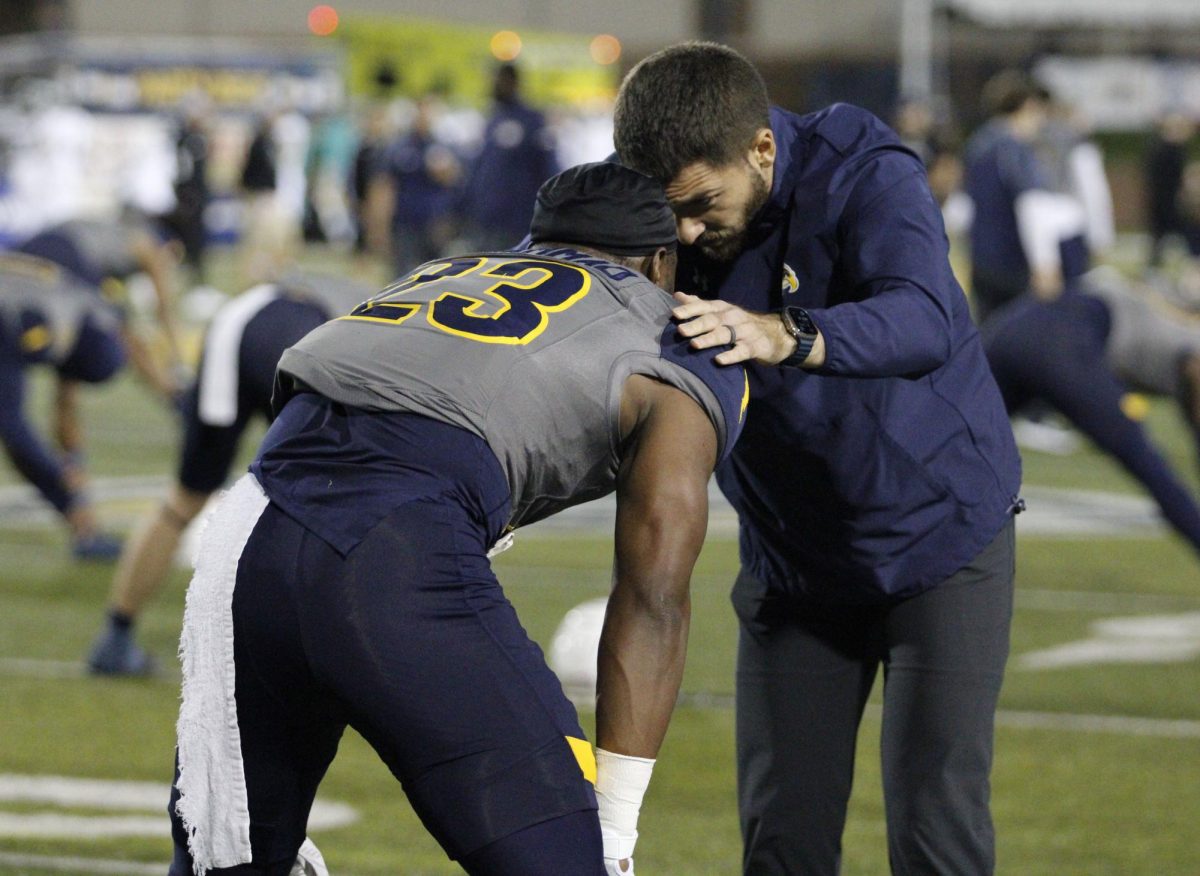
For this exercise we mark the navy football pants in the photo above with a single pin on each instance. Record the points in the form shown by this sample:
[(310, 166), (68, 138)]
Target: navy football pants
[(411, 641), (209, 451)]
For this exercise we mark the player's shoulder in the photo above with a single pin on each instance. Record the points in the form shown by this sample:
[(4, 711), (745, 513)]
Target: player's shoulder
[(729, 384)]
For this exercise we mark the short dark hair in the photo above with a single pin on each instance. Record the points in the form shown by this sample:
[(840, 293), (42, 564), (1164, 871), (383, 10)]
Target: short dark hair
[(695, 101), (1008, 91)]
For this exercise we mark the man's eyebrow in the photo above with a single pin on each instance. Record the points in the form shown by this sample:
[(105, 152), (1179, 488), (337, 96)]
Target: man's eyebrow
[(701, 199)]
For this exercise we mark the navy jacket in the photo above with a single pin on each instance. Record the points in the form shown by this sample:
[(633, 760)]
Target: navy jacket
[(517, 156), (892, 466), (420, 198)]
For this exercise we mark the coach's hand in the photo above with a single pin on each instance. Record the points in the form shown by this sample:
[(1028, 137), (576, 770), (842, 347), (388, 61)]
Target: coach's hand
[(716, 323)]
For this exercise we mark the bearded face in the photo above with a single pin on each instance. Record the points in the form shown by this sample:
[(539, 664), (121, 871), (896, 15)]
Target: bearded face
[(714, 206)]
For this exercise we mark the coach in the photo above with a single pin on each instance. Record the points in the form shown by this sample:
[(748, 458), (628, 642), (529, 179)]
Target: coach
[(876, 479)]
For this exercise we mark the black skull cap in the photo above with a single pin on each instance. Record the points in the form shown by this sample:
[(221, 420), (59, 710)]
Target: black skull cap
[(604, 206)]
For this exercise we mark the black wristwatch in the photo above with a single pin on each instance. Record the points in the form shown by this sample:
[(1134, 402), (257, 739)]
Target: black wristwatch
[(799, 325)]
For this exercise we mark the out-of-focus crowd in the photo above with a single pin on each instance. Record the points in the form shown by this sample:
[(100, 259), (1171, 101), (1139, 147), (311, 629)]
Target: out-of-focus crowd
[(395, 179)]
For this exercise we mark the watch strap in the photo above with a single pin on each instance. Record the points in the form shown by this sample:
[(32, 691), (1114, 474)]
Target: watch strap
[(800, 326)]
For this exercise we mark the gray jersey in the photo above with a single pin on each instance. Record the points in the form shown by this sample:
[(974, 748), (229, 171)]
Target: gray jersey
[(526, 350), (99, 248), (44, 307)]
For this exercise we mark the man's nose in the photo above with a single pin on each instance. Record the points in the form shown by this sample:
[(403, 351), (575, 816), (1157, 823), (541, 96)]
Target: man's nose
[(689, 229)]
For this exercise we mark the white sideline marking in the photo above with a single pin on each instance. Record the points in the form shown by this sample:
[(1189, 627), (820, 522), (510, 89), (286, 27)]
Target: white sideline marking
[(21, 507), (1057, 512), (81, 865), (1117, 725), (98, 793), (1101, 602), (28, 667), (112, 796), (1164, 638), (53, 825)]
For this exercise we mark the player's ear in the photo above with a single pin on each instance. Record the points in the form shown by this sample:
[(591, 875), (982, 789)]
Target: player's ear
[(659, 268)]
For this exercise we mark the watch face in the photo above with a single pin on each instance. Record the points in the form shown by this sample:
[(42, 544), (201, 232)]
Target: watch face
[(798, 322)]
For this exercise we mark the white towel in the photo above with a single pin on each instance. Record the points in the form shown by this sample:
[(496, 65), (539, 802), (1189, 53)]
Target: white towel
[(212, 782)]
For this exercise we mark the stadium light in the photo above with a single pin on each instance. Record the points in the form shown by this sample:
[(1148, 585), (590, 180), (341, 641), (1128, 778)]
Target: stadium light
[(322, 20), (506, 45), (605, 49)]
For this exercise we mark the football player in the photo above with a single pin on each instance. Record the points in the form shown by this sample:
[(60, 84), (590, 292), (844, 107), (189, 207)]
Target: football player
[(346, 580), (237, 366), (47, 317), (102, 254)]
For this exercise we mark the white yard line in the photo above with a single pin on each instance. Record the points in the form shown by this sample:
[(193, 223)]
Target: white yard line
[(29, 667), (1104, 602), (1116, 725), (80, 865)]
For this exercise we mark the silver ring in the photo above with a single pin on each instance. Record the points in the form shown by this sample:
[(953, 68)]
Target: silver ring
[(732, 335)]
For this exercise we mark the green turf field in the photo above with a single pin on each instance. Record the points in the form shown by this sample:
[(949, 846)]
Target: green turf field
[(1074, 793)]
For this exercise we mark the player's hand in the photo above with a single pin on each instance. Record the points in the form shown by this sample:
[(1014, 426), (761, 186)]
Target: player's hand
[(623, 867), (746, 335)]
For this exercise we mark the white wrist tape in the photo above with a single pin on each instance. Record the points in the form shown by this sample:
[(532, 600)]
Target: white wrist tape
[(621, 783)]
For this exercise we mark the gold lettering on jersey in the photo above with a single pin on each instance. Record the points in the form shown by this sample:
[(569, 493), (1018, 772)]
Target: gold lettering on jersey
[(517, 307), (459, 300)]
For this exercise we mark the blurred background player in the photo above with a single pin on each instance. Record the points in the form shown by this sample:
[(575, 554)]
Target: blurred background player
[(1024, 235), (237, 369), (48, 317), (1059, 353), (102, 254), (350, 568), (1075, 168), (192, 194), (265, 224), (517, 156), (411, 193), (1163, 175), (368, 156)]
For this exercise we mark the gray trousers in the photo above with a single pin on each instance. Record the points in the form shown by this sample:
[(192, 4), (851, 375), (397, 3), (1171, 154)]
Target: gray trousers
[(803, 676)]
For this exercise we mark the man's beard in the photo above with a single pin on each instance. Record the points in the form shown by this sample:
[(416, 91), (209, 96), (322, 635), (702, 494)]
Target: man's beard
[(726, 244)]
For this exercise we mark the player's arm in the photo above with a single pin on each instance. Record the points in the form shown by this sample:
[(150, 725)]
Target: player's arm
[(29, 453), (662, 516), (158, 261), (147, 366)]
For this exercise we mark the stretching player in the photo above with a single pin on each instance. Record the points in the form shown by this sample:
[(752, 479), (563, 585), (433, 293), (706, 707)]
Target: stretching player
[(237, 368), (102, 254), (47, 317), (1061, 353), (346, 581)]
